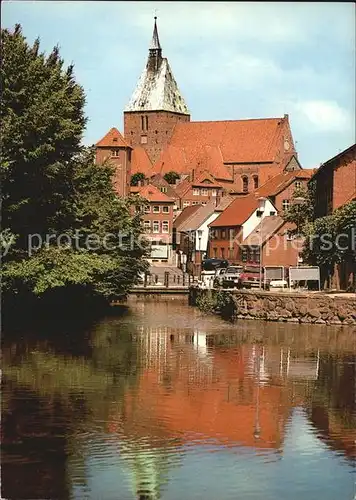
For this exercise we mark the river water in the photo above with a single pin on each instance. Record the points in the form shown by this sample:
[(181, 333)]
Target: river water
[(161, 401)]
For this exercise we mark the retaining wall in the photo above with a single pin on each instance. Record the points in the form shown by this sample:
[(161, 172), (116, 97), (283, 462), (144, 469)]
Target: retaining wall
[(290, 307)]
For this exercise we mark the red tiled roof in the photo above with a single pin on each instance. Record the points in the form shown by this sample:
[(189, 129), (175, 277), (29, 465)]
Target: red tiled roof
[(279, 182), (185, 214), (237, 212), (237, 141), (183, 187), (140, 162), (151, 193), (113, 139), (185, 159)]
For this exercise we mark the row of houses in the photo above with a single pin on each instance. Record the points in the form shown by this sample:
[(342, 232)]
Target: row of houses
[(229, 181)]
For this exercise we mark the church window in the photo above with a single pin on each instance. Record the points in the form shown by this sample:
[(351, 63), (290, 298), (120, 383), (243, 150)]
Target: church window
[(115, 152), (245, 184), (142, 123), (143, 139), (146, 122), (255, 181)]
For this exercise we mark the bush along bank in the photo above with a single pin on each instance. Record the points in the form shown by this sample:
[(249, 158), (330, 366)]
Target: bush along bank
[(282, 307)]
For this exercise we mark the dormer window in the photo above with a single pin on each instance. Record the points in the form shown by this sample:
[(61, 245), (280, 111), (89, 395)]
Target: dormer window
[(115, 152), (114, 139)]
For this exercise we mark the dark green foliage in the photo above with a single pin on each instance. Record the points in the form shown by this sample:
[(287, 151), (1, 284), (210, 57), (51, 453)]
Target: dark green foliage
[(51, 188), (171, 177), (136, 178)]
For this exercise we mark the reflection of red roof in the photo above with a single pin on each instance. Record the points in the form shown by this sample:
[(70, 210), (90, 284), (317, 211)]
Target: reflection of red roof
[(281, 181), (140, 162), (113, 139), (151, 193), (237, 212), (236, 141)]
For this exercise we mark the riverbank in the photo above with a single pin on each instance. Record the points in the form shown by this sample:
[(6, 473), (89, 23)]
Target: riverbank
[(290, 307)]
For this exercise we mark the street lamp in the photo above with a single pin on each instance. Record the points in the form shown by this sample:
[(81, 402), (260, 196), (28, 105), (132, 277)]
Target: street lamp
[(200, 234), (299, 200), (261, 207)]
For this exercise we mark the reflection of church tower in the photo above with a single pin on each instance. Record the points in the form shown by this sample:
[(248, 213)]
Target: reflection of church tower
[(156, 105)]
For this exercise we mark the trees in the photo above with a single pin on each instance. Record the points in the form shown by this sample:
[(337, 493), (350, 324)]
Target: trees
[(329, 240), (136, 178), (72, 236), (171, 177)]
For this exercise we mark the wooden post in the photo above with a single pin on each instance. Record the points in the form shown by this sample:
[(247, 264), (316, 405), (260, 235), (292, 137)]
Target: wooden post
[(166, 278)]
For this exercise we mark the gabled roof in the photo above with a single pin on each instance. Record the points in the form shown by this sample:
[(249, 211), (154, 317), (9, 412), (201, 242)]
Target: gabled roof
[(351, 149), (237, 212), (269, 225), (140, 162), (237, 141), (185, 214), (151, 193), (281, 181), (225, 201), (113, 139), (199, 217), (183, 187)]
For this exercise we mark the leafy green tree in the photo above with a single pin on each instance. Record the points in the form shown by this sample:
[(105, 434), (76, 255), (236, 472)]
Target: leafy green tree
[(72, 236), (43, 121), (171, 177), (136, 178), (301, 209)]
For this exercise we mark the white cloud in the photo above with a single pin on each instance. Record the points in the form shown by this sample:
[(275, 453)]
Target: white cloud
[(325, 116)]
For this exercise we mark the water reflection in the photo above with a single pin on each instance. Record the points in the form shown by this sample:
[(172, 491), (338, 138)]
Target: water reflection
[(159, 401)]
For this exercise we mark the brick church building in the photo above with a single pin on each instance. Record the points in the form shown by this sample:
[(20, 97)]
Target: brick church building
[(160, 137)]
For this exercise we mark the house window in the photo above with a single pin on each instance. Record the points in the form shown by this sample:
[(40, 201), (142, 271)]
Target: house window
[(272, 212), (186, 203), (147, 209), (223, 253), (143, 139), (156, 226), (196, 191), (298, 184), (147, 226), (203, 203), (259, 213), (155, 209), (245, 184), (255, 181), (163, 189), (244, 255), (165, 210), (204, 192), (115, 152), (214, 192), (285, 204), (165, 226), (195, 202)]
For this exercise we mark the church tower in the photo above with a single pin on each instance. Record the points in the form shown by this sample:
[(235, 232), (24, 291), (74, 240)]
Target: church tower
[(155, 106)]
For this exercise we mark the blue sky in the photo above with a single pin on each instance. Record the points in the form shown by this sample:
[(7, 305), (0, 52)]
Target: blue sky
[(231, 60)]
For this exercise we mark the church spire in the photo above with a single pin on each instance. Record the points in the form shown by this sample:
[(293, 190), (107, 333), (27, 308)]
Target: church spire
[(155, 45)]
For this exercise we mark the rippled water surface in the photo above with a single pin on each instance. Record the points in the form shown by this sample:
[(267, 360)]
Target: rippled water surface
[(161, 401)]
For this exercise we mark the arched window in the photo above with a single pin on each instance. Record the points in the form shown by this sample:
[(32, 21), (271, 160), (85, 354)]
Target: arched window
[(245, 184), (255, 181), (146, 118), (142, 123)]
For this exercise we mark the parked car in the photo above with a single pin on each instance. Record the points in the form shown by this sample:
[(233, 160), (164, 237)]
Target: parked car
[(278, 284), (250, 277), (219, 276), (231, 278), (212, 264)]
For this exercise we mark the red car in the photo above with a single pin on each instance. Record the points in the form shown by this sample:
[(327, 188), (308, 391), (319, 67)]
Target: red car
[(250, 277)]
